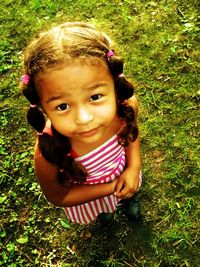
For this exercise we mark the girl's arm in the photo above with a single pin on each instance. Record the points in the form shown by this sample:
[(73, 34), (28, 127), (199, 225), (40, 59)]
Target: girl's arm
[(129, 180), (58, 195)]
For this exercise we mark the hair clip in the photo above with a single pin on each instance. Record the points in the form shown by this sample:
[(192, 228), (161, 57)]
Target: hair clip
[(33, 106), (121, 75), (110, 54), (68, 154), (25, 79)]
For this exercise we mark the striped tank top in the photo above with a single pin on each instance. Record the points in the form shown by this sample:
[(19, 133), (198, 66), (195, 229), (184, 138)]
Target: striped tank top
[(104, 164)]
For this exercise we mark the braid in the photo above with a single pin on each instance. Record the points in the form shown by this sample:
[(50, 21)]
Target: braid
[(124, 90), (34, 115), (56, 149), (123, 87), (129, 132)]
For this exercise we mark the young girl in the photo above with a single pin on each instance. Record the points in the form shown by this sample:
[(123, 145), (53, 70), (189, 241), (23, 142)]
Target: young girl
[(87, 156)]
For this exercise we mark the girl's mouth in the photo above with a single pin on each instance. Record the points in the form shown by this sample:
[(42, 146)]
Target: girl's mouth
[(89, 133)]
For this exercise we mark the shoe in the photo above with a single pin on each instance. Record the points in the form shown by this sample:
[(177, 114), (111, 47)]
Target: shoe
[(131, 208), (106, 218)]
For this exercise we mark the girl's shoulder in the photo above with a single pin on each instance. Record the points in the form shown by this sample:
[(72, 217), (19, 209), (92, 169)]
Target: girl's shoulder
[(133, 102), (41, 164)]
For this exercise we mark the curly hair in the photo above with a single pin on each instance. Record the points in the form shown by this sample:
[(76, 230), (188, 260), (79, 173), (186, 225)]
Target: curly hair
[(57, 47)]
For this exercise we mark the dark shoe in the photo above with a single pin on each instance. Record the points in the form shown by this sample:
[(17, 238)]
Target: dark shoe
[(131, 208), (106, 218)]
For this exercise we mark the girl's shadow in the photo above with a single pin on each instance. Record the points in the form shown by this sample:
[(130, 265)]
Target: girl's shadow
[(122, 242)]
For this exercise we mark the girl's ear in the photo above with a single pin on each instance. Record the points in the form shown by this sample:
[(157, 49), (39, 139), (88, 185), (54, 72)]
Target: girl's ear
[(48, 123)]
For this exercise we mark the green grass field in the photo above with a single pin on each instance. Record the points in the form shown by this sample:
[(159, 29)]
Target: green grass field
[(159, 41)]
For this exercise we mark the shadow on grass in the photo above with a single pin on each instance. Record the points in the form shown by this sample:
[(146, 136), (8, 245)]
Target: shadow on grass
[(121, 244)]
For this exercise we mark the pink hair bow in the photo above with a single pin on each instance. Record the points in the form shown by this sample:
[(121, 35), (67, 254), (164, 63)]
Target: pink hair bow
[(25, 79)]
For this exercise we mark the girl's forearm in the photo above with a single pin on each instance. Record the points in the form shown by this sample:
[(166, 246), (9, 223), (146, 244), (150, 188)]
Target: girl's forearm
[(58, 195), (133, 154), (82, 193)]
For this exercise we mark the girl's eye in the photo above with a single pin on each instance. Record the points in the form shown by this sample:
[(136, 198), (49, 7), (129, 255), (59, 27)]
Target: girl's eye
[(96, 97), (62, 107)]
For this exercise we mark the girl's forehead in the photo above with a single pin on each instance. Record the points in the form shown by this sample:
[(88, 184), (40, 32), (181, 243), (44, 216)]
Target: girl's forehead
[(74, 75), (74, 81), (79, 62)]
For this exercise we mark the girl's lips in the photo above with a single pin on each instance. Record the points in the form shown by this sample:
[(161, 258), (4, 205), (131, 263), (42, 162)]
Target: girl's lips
[(89, 133)]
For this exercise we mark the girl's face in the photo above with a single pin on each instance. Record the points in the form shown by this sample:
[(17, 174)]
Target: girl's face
[(80, 102)]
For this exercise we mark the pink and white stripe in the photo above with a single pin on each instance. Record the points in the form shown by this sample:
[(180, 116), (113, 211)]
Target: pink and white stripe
[(104, 164)]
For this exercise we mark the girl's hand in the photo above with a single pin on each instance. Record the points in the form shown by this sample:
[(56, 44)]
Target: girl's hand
[(127, 184), (113, 185)]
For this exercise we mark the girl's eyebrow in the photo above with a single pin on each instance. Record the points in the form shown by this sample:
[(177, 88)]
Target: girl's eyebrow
[(52, 98), (96, 86)]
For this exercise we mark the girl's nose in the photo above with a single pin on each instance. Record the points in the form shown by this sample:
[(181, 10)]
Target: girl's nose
[(83, 116)]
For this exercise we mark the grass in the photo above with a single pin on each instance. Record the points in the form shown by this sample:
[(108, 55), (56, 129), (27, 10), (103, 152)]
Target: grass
[(160, 44)]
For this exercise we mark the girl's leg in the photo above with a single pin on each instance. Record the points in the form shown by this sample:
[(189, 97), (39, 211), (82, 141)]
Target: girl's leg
[(106, 219), (131, 208)]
